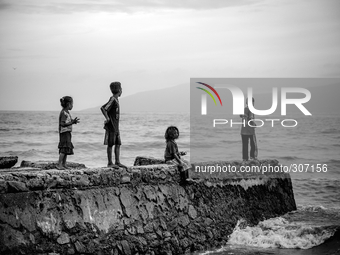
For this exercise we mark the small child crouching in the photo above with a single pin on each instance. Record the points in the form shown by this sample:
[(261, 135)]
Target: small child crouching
[(173, 156)]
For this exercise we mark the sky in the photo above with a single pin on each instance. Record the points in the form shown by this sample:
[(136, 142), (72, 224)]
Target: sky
[(50, 48)]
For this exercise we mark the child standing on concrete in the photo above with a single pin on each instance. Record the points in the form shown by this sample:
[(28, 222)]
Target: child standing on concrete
[(65, 128), (111, 112)]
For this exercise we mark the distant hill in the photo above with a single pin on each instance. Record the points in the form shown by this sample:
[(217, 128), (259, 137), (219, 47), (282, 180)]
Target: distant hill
[(325, 99), (172, 99)]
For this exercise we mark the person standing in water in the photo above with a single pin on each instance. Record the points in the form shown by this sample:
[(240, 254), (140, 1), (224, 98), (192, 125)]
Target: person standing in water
[(248, 134)]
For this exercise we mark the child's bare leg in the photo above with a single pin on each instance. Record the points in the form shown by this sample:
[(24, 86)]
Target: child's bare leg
[(117, 153), (117, 159), (64, 161), (61, 160), (109, 156)]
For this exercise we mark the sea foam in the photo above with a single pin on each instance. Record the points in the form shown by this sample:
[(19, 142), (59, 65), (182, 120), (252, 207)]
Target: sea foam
[(280, 233)]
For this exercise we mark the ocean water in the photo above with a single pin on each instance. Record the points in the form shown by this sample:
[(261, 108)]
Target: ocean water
[(313, 229), (34, 136)]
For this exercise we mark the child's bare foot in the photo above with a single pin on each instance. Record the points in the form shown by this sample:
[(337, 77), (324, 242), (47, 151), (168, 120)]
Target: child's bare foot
[(66, 167), (112, 166), (60, 167), (120, 165)]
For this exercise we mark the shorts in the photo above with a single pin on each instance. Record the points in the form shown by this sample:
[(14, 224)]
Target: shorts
[(65, 145), (112, 138)]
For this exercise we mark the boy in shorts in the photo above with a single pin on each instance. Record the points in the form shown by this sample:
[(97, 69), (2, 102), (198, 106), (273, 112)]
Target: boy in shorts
[(111, 112)]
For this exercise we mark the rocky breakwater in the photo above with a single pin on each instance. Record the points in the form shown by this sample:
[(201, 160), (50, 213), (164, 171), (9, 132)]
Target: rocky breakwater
[(8, 162), (141, 210)]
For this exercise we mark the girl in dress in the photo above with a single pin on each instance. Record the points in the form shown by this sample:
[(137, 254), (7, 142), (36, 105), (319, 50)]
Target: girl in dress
[(65, 128), (172, 155)]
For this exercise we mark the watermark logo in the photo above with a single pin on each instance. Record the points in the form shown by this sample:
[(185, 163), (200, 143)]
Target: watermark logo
[(282, 107), (238, 100), (204, 97), (279, 98)]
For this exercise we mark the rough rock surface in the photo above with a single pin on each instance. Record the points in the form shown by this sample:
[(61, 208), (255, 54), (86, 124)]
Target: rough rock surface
[(144, 161), (139, 210), (8, 162), (49, 164)]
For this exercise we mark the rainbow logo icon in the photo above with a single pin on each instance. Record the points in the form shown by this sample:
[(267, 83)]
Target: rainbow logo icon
[(210, 93)]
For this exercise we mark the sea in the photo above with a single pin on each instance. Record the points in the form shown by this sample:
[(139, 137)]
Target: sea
[(314, 228)]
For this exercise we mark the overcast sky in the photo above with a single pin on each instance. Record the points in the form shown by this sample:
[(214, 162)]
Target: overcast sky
[(53, 48)]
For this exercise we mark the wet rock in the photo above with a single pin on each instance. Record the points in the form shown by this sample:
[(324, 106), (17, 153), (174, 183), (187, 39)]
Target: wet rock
[(167, 234), (49, 164), (15, 186), (126, 247), (3, 186), (80, 247), (142, 161), (163, 224), (71, 250), (208, 221), (185, 243), (125, 179), (150, 193), (148, 228), (63, 238), (8, 162), (81, 180), (99, 211), (140, 229), (12, 238), (192, 212), (183, 221), (35, 184)]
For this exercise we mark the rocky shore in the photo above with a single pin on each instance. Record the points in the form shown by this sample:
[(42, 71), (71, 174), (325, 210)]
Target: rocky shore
[(8, 162), (139, 210)]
